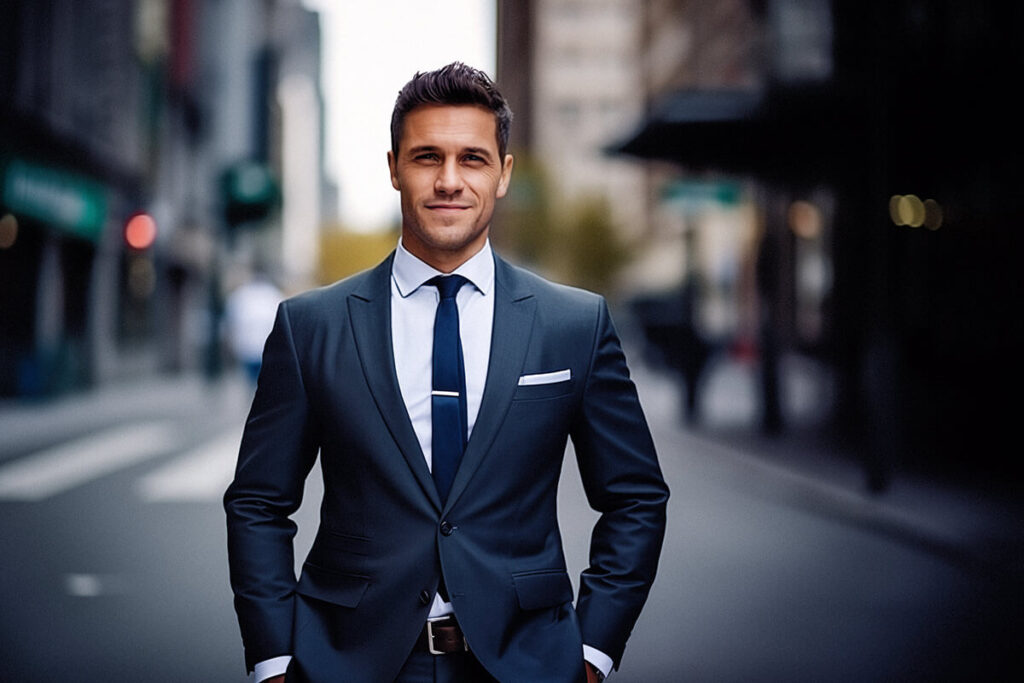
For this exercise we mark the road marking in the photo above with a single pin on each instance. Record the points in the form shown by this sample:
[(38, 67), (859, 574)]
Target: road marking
[(83, 585), (93, 585), (76, 462), (200, 475)]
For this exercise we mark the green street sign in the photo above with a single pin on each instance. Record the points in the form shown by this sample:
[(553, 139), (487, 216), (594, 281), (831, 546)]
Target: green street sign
[(694, 194), (65, 200)]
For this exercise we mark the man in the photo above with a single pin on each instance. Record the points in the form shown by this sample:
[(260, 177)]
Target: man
[(440, 389)]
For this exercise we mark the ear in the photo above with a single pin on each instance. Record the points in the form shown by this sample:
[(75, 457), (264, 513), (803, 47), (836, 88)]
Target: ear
[(393, 167), (506, 176)]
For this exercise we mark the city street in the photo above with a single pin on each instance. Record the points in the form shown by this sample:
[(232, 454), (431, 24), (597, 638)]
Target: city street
[(115, 566), (803, 208)]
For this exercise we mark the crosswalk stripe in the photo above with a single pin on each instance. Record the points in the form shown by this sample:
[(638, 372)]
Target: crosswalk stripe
[(76, 462), (201, 474)]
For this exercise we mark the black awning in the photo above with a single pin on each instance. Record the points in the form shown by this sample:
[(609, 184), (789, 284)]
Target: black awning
[(789, 134)]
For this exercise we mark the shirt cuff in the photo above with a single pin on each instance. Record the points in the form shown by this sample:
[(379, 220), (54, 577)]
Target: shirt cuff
[(275, 667), (600, 660), (278, 665)]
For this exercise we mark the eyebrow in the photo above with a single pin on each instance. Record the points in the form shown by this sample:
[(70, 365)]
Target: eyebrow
[(479, 151)]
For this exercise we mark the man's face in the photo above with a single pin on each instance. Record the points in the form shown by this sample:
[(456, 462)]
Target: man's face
[(449, 174)]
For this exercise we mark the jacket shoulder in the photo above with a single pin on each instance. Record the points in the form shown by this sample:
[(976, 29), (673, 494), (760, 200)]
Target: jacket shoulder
[(332, 297), (567, 299)]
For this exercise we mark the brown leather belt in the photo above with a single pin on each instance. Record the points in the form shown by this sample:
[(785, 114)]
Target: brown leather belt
[(441, 637)]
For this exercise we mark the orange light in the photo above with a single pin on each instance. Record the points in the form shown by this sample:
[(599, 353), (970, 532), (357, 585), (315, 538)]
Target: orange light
[(805, 219), (140, 232)]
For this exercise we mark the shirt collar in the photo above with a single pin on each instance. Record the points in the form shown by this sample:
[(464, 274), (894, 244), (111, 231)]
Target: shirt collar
[(409, 272)]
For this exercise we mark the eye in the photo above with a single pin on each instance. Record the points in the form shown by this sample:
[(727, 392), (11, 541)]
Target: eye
[(427, 156), (474, 159)]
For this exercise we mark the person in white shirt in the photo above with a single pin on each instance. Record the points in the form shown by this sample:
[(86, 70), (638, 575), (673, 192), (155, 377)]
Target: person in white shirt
[(249, 317)]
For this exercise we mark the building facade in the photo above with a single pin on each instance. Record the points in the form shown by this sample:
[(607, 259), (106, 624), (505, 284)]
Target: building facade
[(121, 109)]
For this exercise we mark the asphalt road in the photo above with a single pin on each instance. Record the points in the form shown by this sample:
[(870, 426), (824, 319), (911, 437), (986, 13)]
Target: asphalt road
[(115, 566)]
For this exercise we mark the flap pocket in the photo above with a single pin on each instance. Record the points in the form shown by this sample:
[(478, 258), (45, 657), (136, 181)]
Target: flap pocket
[(334, 587), (537, 590), (330, 543)]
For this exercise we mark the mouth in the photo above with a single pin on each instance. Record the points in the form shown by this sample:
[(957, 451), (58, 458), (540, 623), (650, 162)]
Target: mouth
[(447, 207)]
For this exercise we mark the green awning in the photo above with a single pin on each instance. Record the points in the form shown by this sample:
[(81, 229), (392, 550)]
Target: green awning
[(65, 200)]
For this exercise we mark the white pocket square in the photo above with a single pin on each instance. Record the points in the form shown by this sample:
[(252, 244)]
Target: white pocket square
[(545, 378)]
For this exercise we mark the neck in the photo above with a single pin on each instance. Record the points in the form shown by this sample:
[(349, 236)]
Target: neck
[(443, 261)]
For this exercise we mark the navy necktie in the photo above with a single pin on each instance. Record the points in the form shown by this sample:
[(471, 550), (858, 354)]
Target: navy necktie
[(448, 395)]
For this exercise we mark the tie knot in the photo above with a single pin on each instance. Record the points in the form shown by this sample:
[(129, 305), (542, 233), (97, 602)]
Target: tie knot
[(447, 285)]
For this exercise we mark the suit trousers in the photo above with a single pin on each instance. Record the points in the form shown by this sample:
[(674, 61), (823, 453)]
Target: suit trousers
[(457, 667)]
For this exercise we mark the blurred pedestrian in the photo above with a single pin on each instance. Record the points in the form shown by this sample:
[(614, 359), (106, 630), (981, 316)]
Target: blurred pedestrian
[(249, 318), (438, 556)]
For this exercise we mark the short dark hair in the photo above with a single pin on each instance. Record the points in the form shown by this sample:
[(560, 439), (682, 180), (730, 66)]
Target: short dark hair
[(453, 84)]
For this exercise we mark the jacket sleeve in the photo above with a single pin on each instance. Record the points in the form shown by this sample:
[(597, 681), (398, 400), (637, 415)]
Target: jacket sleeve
[(623, 482), (278, 450)]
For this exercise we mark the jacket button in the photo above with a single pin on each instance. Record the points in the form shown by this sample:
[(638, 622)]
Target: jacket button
[(447, 528), (424, 597)]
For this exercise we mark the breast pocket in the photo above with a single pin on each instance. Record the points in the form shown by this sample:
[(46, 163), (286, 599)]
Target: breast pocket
[(533, 392)]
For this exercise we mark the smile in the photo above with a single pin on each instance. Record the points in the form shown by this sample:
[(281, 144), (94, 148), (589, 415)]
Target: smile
[(447, 207)]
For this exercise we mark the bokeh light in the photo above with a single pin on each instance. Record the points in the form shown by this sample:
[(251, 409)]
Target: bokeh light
[(805, 219), (911, 211), (8, 231), (140, 232)]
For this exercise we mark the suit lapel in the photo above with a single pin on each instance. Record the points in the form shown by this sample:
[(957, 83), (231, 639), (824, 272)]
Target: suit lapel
[(514, 307), (370, 311)]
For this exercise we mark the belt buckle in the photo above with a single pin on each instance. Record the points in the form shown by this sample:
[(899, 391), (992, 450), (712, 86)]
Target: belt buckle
[(430, 636)]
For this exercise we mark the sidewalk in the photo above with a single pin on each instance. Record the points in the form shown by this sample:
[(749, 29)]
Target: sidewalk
[(974, 525)]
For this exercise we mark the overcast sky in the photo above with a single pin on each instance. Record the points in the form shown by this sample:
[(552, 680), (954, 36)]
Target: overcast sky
[(371, 48)]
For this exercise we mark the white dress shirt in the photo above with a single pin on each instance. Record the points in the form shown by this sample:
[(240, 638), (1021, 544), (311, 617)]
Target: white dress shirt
[(413, 307)]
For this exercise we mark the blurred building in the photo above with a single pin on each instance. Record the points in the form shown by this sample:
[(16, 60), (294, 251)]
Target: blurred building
[(828, 180), (579, 74), (572, 72), (309, 196), (587, 86), (175, 110)]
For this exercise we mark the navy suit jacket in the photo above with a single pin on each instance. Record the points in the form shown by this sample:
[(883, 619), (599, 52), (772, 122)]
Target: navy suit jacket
[(328, 385)]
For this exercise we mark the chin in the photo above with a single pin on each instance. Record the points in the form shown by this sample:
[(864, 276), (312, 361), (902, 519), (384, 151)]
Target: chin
[(452, 238)]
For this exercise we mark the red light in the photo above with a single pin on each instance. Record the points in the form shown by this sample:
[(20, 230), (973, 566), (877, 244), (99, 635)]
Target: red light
[(140, 232)]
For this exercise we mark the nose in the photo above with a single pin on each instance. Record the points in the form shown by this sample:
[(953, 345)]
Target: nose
[(449, 179)]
